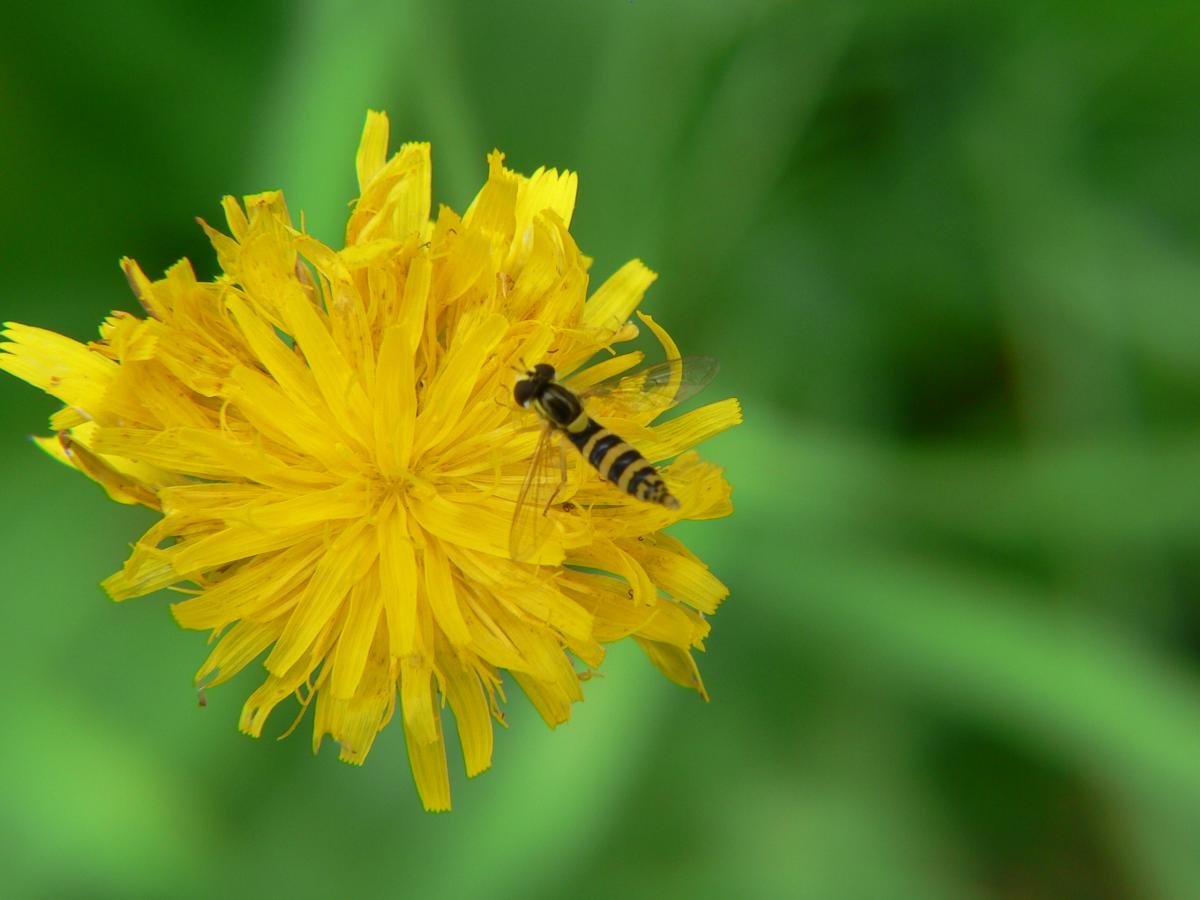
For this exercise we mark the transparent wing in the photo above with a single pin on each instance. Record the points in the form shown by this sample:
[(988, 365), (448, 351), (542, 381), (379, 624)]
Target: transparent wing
[(531, 526), (654, 388)]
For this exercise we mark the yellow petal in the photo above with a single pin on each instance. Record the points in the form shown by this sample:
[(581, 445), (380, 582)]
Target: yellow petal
[(396, 203), (493, 211), (550, 681), (614, 302), (254, 587), (478, 526), (120, 486), (417, 700), (61, 367), (549, 698), (273, 691), (354, 722), (545, 189), (205, 453), (130, 339), (428, 761), (457, 379), (372, 149), (280, 419), (548, 283), (395, 404), (398, 580), (285, 367), (442, 596), (608, 557), (347, 560), (488, 640), (143, 289), (684, 432), (683, 577), (238, 647), (615, 617), (702, 491), (677, 664), (338, 381), (358, 633), (609, 368), (465, 694)]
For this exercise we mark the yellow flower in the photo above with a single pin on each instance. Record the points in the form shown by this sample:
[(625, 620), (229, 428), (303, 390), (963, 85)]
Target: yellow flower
[(331, 438)]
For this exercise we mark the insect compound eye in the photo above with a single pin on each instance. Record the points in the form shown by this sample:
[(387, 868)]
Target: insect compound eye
[(523, 392)]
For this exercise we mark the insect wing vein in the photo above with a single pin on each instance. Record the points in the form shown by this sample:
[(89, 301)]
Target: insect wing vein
[(650, 389), (531, 526)]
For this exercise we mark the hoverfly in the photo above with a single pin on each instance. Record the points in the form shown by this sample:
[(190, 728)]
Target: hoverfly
[(563, 410)]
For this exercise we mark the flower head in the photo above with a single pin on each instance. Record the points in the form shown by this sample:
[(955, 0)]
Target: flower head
[(331, 440)]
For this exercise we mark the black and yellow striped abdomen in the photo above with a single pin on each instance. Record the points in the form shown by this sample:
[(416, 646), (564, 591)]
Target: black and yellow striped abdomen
[(618, 461)]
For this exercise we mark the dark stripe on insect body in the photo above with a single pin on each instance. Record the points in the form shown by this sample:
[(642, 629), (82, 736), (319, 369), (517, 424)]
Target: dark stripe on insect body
[(614, 453), (601, 446), (627, 458), (643, 482), (585, 434), (658, 493), (596, 434)]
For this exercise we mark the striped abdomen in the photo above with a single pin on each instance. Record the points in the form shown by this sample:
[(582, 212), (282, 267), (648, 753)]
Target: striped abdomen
[(617, 461)]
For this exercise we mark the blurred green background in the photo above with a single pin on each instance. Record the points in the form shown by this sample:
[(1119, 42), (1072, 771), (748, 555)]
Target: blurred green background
[(948, 255)]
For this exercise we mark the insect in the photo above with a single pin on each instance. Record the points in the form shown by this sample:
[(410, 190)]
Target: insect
[(654, 389)]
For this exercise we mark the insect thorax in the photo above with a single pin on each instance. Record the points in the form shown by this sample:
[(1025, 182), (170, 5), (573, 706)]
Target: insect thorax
[(558, 405)]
